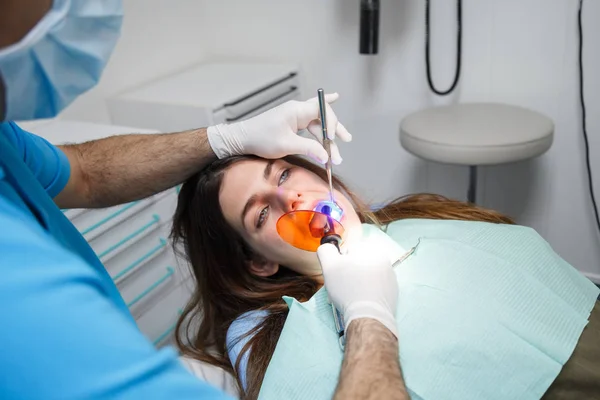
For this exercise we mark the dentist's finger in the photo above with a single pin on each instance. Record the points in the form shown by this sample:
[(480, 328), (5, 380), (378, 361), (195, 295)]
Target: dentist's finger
[(315, 129), (332, 121), (327, 254), (336, 157), (329, 98), (308, 147), (308, 111), (341, 132)]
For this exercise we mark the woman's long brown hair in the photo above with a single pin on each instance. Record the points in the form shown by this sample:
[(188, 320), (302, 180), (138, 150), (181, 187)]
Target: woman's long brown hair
[(225, 288)]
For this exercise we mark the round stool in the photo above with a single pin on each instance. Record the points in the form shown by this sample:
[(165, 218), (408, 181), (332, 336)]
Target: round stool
[(476, 134)]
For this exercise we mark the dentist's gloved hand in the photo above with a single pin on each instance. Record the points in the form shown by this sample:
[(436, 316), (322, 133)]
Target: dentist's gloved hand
[(274, 133), (360, 283)]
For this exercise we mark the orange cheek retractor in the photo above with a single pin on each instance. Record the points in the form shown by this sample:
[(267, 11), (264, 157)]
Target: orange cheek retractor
[(308, 229)]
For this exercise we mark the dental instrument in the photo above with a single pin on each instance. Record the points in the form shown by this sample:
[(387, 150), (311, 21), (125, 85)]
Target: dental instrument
[(326, 140), (309, 229), (330, 235), (323, 221)]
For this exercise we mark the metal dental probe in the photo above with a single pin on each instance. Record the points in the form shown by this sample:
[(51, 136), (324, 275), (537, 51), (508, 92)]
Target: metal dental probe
[(330, 236), (326, 140)]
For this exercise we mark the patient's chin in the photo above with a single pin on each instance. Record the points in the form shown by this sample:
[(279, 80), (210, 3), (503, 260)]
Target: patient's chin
[(305, 263)]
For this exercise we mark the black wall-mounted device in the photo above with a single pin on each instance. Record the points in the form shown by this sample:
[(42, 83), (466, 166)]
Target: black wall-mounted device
[(369, 27)]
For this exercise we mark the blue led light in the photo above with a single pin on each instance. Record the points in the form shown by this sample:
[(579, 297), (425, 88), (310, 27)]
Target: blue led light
[(329, 208)]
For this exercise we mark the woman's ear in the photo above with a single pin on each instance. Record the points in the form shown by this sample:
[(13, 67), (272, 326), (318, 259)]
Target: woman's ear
[(263, 268)]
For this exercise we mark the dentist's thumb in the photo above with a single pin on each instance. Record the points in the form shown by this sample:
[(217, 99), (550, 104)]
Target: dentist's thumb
[(328, 254), (308, 147), (360, 283)]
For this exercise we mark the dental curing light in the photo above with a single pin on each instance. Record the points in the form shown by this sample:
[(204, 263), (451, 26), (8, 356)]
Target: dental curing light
[(308, 229)]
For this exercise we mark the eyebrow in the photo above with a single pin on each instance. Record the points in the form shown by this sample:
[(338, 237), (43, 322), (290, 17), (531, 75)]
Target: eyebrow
[(252, 200)]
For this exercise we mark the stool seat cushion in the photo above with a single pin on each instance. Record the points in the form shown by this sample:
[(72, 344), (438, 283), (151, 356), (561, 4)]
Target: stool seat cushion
[(476, 134)]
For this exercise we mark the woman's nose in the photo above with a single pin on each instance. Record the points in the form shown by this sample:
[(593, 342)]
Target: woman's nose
[(289, 200)]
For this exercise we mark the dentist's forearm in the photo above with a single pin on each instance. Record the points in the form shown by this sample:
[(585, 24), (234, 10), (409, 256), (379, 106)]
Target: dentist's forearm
[(125, 168), (371, 369)]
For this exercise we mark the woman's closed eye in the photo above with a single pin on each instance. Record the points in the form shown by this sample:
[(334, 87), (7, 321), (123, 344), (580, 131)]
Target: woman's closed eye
[(264, 212)]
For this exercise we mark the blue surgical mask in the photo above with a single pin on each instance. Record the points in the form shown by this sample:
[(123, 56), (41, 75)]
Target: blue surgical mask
[(59, 59)]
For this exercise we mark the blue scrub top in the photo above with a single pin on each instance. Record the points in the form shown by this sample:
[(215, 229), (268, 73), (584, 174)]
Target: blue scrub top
[(65, 332)]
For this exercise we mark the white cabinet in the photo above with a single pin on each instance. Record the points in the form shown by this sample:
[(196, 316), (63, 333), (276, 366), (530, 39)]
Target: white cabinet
[(132, 241), (205, 95)]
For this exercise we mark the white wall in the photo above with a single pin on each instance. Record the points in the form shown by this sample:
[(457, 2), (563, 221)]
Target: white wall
[(158, 37), (522, 52)]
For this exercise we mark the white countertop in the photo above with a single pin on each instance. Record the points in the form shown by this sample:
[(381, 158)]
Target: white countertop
[(209, 85)]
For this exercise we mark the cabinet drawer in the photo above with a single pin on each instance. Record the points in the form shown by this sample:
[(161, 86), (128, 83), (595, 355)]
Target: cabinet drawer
[(93, 223), (150, 284), (153, 246), (266, 97), (126, 234), (290, 93), (158, 322)]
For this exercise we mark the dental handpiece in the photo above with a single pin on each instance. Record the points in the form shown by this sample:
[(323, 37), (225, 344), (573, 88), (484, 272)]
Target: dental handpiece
[(338, 318), (333, 238), (326, 140)]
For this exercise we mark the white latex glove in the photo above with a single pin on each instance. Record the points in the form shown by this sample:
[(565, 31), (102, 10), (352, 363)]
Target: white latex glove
[(274, 133), (360, 283)]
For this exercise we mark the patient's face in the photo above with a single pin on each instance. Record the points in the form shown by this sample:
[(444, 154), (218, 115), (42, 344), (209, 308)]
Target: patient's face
[(255, 193)]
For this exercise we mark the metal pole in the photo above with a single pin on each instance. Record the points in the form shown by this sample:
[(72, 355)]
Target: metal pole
[(472, 193)]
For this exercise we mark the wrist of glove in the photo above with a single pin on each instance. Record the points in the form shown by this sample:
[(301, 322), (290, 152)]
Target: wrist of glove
[(372, 310), (361, 284), (274, 133), (226, 140)]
